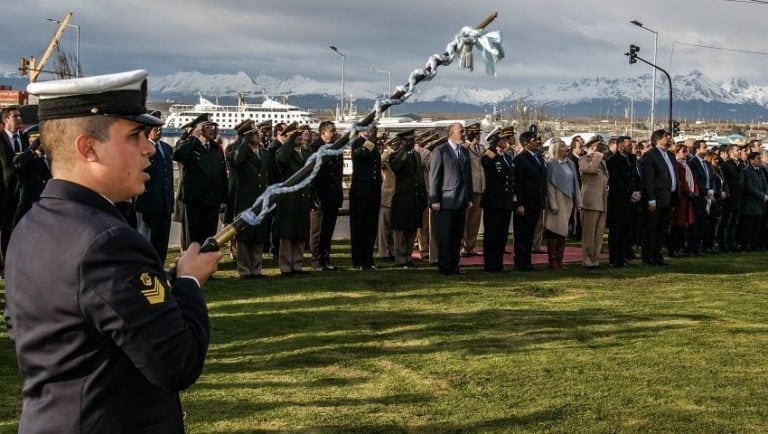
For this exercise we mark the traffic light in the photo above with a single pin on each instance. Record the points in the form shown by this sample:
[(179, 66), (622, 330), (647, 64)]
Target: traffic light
[(633, 49), (675, 128), (23, 66)]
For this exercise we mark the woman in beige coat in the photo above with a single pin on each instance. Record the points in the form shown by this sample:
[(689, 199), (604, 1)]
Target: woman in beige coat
[(594, 200), (562, 197)]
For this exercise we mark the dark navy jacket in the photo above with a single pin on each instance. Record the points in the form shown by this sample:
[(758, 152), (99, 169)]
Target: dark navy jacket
[(158, 196), (103, 342)]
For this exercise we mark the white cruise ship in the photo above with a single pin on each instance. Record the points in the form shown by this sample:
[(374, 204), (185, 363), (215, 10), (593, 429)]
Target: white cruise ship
[(229, 116)]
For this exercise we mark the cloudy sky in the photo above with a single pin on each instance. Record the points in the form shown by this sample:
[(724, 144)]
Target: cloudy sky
[(546, 41)]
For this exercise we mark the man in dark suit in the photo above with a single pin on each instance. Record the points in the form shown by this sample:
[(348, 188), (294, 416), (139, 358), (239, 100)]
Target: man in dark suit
[(330, 197), (705, 178), (623, 193), (531, 194), (498, 201), (274, 145), (755, 196), (12, 142), (154, 207), (450, 194), (203, 183), (660, 189), (364, 199), (732, 202), (33, 171), (104, 342)]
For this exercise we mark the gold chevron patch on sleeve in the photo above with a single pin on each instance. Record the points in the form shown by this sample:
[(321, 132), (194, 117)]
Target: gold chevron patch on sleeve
[(154, 290)]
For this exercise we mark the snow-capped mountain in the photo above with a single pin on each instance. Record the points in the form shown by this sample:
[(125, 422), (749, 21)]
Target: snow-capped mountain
[(692, 87), (740, 87)]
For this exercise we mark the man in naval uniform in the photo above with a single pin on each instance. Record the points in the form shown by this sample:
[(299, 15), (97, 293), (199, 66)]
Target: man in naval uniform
[(203, 181), (498, 200), (474, 214), (154, 207), (104, 342)]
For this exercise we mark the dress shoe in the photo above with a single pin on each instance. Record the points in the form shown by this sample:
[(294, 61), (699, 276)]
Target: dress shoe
[(648, 263), (458, 271), (298, 272), (445, 272), (286, 273), (617, 265), (661, 263)]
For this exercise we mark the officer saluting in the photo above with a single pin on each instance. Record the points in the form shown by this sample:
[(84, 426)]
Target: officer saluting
[(103, 341), (498, 200)]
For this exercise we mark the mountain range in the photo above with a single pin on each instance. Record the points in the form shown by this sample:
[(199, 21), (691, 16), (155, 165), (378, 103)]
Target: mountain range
[(695, 95)]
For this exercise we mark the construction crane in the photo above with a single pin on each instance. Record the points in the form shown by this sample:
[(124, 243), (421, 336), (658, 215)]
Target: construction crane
[(34, 67)]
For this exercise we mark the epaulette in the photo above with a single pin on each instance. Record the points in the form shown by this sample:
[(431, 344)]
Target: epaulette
[(369, 145), (490, 154)]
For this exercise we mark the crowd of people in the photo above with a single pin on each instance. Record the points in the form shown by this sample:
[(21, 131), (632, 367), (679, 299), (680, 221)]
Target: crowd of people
[(431, 191), (106, 338)]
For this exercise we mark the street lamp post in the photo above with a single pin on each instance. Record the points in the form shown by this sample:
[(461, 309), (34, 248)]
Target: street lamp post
[(343, 94), (655, 50), (389, 80), (77, 49)]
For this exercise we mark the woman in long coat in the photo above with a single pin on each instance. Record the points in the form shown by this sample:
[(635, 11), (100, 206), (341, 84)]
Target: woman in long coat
[(293, 209), (563, 196), (683, 216), (408, 202), (251, 164)]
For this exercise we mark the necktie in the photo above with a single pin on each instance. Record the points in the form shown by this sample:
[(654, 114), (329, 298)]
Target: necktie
[(160, 150), (16, 144)]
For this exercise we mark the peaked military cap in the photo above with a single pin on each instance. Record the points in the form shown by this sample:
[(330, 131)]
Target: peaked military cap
[(264, 126), (472, 128), (122, 95), (493, 137), (407, 134), (205, 117), (423, 136), (507, 132), (245, 127), (293, 128)]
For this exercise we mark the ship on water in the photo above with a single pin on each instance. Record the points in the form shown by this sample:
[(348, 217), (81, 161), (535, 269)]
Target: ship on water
[(227, 116)]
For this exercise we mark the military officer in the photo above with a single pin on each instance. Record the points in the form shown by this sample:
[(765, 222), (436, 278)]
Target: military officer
[(498, 200), (154, 207), (422, 235), (364, 199), (474, 214), (104, 342), (409, 199), (293, 209), (251, 164), (203, 180), (385, 235), (329, 196)]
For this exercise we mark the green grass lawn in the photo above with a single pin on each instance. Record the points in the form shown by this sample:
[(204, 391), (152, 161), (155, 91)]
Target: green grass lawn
[(678, 349)]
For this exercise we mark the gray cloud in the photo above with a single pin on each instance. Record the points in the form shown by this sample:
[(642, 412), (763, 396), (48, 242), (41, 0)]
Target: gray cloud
[(546, 41)]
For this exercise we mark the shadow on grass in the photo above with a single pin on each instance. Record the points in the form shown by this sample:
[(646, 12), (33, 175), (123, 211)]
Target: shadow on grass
[(534, 420), (300, 340)]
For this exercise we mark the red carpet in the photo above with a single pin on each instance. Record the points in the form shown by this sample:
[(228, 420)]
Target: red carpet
[(572, 255)]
